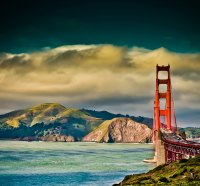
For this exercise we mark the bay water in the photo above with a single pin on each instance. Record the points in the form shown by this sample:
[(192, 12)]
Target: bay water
[(78, 163)]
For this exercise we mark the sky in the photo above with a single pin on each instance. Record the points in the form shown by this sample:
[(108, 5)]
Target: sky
[(100, 54)]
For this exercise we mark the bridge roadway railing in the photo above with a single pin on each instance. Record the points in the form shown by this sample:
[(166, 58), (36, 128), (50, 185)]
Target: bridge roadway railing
[(177, 148)]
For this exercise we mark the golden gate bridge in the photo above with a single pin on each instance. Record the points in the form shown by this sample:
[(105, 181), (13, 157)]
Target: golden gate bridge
[(169, 145)]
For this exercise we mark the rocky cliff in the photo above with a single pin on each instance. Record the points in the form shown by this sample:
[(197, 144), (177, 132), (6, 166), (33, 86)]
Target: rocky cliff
[(120, 130)]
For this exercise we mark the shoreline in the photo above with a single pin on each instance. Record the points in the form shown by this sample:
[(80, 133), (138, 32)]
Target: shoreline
[(10, 139)]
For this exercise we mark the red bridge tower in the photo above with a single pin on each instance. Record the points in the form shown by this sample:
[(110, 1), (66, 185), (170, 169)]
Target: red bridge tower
[(169, 144), (162, 95)]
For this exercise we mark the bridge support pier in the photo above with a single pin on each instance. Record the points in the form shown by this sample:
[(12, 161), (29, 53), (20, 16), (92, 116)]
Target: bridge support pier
[(160, 153)]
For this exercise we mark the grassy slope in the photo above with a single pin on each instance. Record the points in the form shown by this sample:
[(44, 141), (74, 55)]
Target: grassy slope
[(184, 173), (104, 128), (48, 112), (101, 130), (47, 119)]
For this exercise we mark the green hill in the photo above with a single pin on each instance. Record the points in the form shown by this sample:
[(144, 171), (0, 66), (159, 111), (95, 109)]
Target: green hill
[(47, 119), (44, 113), (50, 120), (181, 173)]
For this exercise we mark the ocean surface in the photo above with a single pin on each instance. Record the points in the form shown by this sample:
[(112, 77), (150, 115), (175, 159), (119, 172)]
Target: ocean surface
[(57, 164)]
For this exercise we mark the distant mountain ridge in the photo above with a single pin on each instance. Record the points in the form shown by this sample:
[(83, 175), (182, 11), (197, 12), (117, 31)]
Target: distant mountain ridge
[(105, 115), (54, 122)]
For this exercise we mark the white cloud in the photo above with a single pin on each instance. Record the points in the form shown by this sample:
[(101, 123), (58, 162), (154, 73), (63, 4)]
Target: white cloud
[(97, 76)]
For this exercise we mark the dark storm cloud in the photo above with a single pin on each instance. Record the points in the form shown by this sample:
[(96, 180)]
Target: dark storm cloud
[(103, 56), (14, 61)]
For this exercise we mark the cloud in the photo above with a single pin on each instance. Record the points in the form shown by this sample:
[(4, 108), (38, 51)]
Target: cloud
[(98, 76)]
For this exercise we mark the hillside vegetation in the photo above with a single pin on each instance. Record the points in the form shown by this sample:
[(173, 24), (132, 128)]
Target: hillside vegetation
[(54, 122), (181, 173), (47, 119)]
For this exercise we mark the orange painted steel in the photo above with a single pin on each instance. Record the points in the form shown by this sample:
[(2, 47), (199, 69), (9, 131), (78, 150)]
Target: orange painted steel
[(162, 95), (175, 147)]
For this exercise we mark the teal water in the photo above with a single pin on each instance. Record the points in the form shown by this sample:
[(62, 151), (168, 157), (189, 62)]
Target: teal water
[(58, 164)]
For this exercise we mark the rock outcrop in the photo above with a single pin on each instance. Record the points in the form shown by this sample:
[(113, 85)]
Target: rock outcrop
[(55, 138), (59, 138), (120, 130)]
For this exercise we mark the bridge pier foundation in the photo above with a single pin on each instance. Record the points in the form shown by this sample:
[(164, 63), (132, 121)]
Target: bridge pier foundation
[(160, 156)]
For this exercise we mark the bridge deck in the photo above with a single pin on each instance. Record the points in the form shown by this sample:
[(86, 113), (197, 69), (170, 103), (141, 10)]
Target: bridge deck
[(175, 139)]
